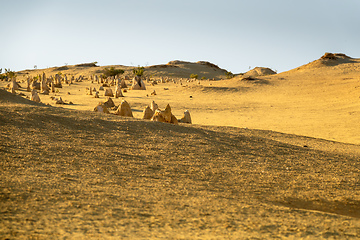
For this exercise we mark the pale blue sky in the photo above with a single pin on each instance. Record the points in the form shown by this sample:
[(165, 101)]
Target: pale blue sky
[(280, 34)]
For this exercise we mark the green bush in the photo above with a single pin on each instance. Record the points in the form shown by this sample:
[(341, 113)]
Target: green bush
[(139, 71), (8, 74), (195, 76), (110, 72), (229, 75)]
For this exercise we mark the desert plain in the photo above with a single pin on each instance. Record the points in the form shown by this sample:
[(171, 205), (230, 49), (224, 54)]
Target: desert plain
[(267, 156)]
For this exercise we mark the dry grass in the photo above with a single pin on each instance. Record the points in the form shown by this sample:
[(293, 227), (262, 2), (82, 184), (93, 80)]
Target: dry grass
[(69, 174)]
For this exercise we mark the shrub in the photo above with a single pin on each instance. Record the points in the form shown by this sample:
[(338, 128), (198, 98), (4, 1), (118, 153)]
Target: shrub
[(110, 72), (139, 71), (195, 76), (8, 74), (93, 64), (229, 75), (203, 78)]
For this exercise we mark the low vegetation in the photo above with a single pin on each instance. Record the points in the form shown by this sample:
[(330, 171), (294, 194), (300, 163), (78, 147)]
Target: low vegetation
[(229, 75), (195, 76), (139, 71), (112, 72), (7, 75)]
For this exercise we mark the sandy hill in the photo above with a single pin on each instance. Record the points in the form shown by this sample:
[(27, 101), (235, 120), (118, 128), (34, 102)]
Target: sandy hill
[(259, 71), (335, 60), (70, 174), (173, 69)]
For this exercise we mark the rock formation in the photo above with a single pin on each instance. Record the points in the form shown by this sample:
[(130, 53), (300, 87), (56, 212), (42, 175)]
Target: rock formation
[(148, 113), (59, 101), (186, 118), (28, 88), (153, 106), (118, 92), (124, 109), (108, 92), (123, 84), (52, 87), (164, 116), (109, 103), (138, 84), (101, 108), (35, 85), (43, 87), (13, 85), (34, 96)]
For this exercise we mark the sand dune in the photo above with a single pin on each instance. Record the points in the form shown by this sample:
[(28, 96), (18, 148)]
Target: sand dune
[(240, 171)]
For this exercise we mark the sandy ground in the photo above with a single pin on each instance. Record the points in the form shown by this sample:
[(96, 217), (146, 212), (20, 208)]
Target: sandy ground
[(317, 102), (67, 172)]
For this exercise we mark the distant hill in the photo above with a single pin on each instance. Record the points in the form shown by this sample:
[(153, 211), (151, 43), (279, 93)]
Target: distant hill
[(175, 69), (330, 60), (259, 71)]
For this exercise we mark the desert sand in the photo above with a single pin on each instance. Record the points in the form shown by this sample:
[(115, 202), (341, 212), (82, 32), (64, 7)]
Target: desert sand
[(267, 156)]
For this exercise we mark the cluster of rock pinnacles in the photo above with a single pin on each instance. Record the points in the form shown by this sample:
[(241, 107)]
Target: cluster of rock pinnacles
[(151, 112), (46, 85)]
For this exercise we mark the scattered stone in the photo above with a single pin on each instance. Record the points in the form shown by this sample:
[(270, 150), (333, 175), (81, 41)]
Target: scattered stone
[(101, 88), (59, 101), (153, 93), (96, 95)]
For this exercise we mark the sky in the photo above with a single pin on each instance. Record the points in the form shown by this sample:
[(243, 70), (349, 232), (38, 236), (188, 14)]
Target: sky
[(234, 34)]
